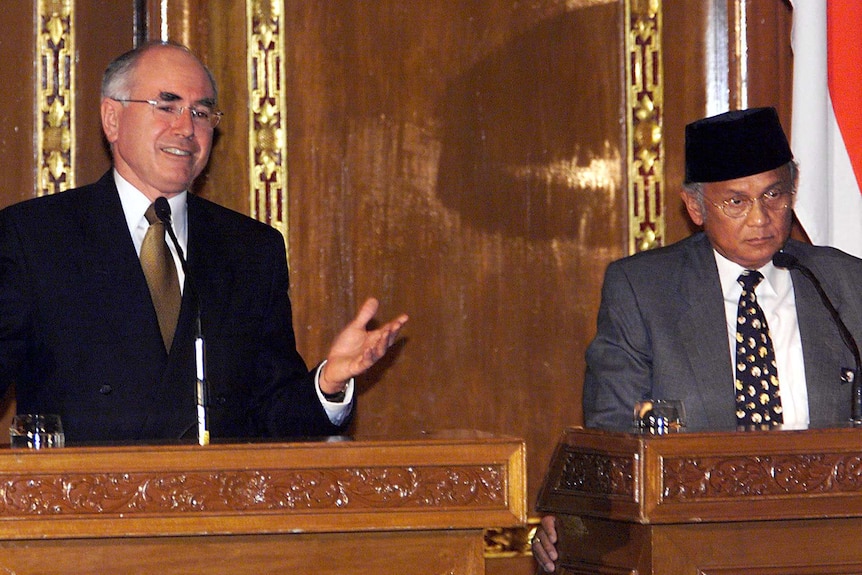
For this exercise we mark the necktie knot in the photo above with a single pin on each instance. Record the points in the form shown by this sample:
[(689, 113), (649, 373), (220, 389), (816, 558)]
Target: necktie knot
[(151, 216), (749, 279)]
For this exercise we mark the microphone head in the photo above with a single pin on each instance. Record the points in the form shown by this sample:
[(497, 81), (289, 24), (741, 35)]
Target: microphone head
[(781, 260), (163, 210)]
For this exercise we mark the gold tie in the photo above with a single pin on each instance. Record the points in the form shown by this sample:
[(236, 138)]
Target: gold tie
[(161, 273)]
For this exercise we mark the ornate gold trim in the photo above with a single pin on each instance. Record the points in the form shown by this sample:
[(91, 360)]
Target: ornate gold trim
[(55, 96), (507, 542), (267, 136), (644, 102)]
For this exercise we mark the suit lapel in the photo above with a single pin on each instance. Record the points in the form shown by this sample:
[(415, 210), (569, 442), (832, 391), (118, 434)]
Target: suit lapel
[(210, 277), (704, 335), (111, 263), (823, 350)]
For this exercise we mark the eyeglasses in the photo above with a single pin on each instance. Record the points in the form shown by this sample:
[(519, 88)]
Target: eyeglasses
[(169, 112), (740, 206)]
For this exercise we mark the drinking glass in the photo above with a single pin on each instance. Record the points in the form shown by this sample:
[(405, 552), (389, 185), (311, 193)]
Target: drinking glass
[(36, 431), (659, 416)]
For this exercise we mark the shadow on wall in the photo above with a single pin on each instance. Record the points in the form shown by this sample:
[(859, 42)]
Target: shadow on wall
[(533, 132)]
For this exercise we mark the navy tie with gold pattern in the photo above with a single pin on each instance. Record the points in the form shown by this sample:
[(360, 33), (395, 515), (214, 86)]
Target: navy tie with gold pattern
[(758, 399)]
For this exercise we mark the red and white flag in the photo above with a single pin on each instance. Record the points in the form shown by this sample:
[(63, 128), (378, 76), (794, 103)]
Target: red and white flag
[(827, 120)]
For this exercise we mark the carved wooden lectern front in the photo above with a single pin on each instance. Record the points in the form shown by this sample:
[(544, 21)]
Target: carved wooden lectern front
[(722, 503), (367, 506)]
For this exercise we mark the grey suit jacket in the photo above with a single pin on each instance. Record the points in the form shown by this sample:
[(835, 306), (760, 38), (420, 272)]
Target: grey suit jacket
[(661, 334)]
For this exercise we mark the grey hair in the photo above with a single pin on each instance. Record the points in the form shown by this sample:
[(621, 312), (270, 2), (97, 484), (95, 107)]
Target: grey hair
[(117, 80), (695, 189)]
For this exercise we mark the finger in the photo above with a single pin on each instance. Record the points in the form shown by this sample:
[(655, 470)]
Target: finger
[(541, 556), (393, 328), (366, 312), (386, 335)]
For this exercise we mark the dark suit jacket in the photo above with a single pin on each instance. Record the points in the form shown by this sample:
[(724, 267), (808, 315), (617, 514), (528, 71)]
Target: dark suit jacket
[(662, 334), (79, 335)]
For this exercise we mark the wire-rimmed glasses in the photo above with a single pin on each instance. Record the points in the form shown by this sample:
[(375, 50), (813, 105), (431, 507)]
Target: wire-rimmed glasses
[(168, 111), (740, 206)]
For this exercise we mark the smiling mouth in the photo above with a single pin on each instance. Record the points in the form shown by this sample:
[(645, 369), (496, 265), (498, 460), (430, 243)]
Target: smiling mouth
[(177, 152)]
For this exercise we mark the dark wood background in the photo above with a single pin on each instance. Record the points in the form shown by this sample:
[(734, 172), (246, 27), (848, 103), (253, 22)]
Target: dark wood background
[(425, 141)]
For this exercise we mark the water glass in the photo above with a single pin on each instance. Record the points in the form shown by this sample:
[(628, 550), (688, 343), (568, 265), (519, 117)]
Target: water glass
[(659, 416), (35, 431)]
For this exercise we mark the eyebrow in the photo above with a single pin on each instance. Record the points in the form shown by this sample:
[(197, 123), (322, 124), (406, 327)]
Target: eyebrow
[(172, 97)]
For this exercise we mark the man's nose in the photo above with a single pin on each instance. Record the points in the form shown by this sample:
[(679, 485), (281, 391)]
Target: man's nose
[(183, 123), (758, 214)]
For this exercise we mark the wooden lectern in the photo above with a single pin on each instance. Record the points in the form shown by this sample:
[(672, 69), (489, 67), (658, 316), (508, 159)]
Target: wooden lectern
[(364, 506), (719, 503)]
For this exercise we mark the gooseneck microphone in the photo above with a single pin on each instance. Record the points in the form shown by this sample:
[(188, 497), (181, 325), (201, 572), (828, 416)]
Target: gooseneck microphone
[(789, 261), (163, 212)]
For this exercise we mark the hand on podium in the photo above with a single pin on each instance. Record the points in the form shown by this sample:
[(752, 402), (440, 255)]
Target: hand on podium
[(544, 543)]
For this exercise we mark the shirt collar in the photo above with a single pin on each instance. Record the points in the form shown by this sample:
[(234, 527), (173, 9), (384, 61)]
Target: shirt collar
[(775, 280), (135, 205)]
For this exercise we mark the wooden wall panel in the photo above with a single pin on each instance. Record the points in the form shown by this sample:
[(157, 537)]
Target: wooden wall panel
[(226, 179), (684, 51), (104, 30), (17, 106), (462, 162)]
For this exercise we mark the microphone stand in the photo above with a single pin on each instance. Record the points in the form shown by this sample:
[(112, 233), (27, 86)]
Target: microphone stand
[(163, 211), (201, 384), (851, 376)]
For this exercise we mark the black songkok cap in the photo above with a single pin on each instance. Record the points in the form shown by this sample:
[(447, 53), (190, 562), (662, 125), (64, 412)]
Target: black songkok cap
[(734, 145)]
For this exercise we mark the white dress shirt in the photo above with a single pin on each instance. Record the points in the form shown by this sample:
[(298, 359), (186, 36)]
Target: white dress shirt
[(135, 205), (776, 297)]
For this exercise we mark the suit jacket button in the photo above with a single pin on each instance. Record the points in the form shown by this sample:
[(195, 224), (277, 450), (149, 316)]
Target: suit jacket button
[(106, 389)]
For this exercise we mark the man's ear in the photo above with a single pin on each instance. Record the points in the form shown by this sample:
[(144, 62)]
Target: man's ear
[(110, 112), (693, 207)]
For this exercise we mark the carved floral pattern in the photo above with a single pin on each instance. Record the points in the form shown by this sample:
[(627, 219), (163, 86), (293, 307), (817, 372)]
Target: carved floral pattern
[(597, 473), (242, 491), (714, 477)]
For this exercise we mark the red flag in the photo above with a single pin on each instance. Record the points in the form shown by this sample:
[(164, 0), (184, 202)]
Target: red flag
[(844, 58), (827, 120)]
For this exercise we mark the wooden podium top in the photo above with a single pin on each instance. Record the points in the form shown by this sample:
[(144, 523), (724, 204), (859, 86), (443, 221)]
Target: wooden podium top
[(706, 477), (454, 480)]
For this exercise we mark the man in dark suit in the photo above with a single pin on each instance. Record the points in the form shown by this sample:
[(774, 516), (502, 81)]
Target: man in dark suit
[(79, 332), (668, 320)]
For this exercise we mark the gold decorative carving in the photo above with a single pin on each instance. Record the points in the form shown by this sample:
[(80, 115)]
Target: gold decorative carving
[(699, 478), (506, 542), (141, 494), (55, 95), (644, 100), (268, 113)]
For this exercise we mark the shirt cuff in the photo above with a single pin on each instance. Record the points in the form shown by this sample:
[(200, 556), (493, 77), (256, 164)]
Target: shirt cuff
[(336, 411)]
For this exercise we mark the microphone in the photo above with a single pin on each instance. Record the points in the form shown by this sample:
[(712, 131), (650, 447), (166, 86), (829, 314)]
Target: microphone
[(163, 212), (789, 261)]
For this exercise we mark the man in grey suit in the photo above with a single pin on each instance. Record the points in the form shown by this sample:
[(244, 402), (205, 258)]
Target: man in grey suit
[(667, 324)]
